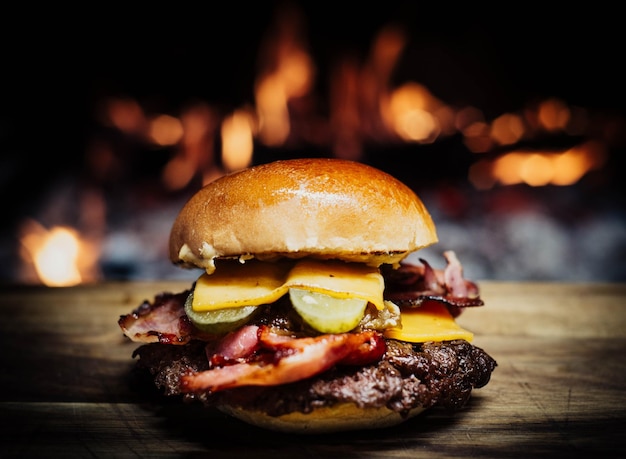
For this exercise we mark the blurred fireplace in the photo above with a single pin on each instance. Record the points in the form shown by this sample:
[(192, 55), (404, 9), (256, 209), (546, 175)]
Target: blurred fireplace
[(522, 184)]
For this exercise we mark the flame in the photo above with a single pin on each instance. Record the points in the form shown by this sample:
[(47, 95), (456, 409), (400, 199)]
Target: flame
[(410, 113), (196, 152), (125, 114), (477, 137), (507, 129), (165, 130), (553, 114), (539, 168), (237, 140), (287, 73), (59, 256), (364, 105)]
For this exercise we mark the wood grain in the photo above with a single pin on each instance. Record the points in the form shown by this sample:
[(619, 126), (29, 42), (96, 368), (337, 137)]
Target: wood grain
[(67, 387)]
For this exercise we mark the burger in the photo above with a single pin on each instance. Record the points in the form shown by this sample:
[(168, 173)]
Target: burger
[(306, 316)]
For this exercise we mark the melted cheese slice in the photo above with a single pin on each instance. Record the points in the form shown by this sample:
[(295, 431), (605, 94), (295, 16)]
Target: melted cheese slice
[(430, 322), (254, 283)]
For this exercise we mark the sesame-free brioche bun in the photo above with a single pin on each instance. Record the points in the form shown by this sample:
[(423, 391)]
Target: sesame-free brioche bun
[(337, 418), (324, 208)]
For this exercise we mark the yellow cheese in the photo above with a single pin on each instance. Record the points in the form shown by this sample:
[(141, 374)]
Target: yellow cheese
[(240, 284), (430, 322), (255, 283), (340, 280)]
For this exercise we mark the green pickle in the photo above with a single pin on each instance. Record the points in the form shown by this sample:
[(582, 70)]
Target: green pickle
[(325, 313), (220, 321)]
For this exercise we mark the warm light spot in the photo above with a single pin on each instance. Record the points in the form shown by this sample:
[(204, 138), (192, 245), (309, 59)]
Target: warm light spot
[(569, 167), (126, 115), (195, 153), (507, 168), (386, 49), (417, 125), (198, 122), (446, 117), (296, 73), (165, 130), (410, 113), (54, 254), (178, 172), (553, 114), (572, 165), (271, 103), (507, 129), (476, 137), (536, 169), (287, 72), (237, 141)]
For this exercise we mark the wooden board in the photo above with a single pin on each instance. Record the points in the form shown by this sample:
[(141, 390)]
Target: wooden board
[(560, 385)]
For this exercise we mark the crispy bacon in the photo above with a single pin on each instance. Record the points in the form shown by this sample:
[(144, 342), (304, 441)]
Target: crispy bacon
[(290, 359), (161, 321), (164, 320), (411, 285), (261, 355), (236, 346)]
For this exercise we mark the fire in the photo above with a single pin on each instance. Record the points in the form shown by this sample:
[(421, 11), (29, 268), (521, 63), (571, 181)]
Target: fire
[(59, 256), (411, 113), (538, 168), (287, 74), (237, 140)]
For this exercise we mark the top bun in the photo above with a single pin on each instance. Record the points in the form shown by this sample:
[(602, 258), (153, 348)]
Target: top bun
[(324, 208)]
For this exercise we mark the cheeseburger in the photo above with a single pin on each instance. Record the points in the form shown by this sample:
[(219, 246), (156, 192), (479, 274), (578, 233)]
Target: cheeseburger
[(306, 316)]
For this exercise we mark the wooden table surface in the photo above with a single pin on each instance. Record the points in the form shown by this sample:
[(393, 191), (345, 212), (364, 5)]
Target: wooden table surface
[(66, 385)]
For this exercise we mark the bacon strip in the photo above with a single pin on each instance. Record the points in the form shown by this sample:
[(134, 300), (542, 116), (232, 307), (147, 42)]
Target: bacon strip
[(411, 285), (162, 321), (293, 359)]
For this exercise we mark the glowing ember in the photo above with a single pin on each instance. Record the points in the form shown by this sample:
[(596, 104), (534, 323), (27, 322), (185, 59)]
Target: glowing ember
[(59, 256)]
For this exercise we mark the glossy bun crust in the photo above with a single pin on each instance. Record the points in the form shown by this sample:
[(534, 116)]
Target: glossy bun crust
[(338, 418), (325, 208)]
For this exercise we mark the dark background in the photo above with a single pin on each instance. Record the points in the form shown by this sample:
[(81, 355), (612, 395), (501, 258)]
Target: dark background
[(59, 64)]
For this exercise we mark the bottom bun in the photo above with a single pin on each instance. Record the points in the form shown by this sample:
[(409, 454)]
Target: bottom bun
[(338, 418)]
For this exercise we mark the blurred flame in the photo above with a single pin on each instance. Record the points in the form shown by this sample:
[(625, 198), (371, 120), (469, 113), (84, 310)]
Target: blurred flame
[(59, 256), (553, 114), (196, 151), (271, 102), (539, 169), (125, 114), (165, 130), (507, 129), (364, 105), (410, 113), (477, 137), (287, 73), (237, 140)]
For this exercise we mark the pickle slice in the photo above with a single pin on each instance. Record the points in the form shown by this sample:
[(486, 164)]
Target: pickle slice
[(219, 321), (325, 313)]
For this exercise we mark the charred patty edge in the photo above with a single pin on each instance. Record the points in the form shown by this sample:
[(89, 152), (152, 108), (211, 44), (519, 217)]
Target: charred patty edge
[(408, 376)]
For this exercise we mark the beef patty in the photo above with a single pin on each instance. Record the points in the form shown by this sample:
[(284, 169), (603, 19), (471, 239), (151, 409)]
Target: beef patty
[(408, 376)]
